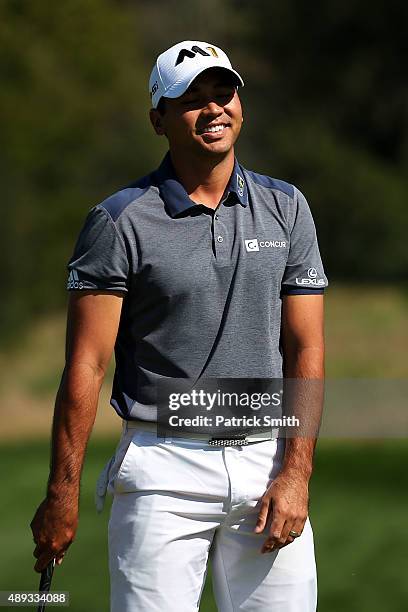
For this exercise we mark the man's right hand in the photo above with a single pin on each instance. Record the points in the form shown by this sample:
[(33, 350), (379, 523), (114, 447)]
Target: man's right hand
[(54, 526)]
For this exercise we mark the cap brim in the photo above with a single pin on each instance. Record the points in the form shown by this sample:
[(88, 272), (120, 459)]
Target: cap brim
[(177, 89)]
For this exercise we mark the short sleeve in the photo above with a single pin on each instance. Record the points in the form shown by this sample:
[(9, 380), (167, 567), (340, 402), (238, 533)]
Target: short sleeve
[(304, 273), (99, 260)]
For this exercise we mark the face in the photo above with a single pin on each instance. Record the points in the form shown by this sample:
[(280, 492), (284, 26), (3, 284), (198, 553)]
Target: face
[(206, 119)]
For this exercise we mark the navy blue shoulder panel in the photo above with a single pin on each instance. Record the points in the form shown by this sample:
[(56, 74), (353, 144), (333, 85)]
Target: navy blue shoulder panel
[(271, 183), (116, 203)]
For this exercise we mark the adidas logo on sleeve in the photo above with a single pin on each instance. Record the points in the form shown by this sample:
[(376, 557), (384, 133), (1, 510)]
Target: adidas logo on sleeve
[(73, 281)]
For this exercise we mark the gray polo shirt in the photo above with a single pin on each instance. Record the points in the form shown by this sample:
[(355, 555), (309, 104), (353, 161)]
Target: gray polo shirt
[(202, 288)]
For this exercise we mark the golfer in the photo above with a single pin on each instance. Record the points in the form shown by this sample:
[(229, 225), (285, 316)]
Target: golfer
[(202, 269)]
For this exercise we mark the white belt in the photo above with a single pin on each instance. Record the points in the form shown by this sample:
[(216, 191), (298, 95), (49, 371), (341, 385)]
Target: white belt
[(238, 440)]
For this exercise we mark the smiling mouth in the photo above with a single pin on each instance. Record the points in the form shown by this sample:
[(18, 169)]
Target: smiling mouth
[(213, 129)]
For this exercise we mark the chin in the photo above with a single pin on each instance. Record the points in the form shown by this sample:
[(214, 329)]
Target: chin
[(218, 148)]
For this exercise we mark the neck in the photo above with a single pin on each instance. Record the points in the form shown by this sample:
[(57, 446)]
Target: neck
[(205, 180)]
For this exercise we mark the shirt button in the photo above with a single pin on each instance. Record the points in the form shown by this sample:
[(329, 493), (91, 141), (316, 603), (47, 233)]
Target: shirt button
[(216, 217), (220, 238)]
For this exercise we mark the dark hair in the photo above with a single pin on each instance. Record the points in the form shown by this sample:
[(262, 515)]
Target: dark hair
[(161, 107)]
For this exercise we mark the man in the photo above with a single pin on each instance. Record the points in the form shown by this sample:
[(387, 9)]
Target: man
[(201, 269)]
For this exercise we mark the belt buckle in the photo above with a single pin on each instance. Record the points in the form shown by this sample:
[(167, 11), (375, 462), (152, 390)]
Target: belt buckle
[(238, 440)]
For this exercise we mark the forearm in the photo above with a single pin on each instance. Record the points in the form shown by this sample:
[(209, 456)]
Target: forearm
[(306, 365), (74, 416)]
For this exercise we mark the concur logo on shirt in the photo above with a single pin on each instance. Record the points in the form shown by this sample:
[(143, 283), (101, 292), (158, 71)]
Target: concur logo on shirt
[(254, 245)]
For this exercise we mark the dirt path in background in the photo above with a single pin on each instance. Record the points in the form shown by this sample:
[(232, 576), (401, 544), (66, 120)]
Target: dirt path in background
[(29, 379), (367, 340), (26, 418)]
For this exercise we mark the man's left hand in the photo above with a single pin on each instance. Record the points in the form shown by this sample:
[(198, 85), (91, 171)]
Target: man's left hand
[(286, 501)]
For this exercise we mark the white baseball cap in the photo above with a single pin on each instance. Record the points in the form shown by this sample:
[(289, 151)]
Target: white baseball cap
[(176, 68)]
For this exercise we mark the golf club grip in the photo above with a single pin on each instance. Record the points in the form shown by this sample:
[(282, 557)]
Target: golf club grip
[(45, 582)]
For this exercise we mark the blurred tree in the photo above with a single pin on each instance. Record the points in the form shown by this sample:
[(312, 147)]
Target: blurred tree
[(73, 111), (332, 116)]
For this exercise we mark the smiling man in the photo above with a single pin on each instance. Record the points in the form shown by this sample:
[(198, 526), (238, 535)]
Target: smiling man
[(202, 269)]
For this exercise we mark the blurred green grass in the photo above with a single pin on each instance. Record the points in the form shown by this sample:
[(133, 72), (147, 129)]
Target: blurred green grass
[(358, 511)]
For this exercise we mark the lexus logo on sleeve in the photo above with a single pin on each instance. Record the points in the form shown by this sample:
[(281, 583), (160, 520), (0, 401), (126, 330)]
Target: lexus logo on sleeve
[(312, 279)]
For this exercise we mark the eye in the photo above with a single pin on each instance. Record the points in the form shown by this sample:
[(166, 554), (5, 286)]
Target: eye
[(226, 94)]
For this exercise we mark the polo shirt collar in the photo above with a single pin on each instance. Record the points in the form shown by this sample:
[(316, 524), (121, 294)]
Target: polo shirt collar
[(176, 197)]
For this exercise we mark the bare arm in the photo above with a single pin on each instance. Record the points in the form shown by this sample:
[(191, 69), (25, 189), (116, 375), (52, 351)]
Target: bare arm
[(92, 325), (303, 353)]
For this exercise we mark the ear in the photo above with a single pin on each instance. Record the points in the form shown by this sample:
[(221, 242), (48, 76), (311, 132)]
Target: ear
[(157, 121)]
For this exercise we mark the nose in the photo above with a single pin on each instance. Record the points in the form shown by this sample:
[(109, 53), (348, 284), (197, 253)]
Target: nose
[(212, 108)]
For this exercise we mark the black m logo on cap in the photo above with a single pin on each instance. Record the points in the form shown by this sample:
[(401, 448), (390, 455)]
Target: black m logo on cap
[(187, 53)]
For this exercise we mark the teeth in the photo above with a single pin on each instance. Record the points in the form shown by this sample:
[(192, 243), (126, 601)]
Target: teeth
[(214, 128)]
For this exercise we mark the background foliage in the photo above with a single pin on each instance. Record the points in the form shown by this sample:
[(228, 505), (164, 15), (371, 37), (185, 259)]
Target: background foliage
[(325, 107), (326, 104)]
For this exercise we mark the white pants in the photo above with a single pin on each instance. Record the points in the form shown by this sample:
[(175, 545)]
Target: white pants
[(177, 501)]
